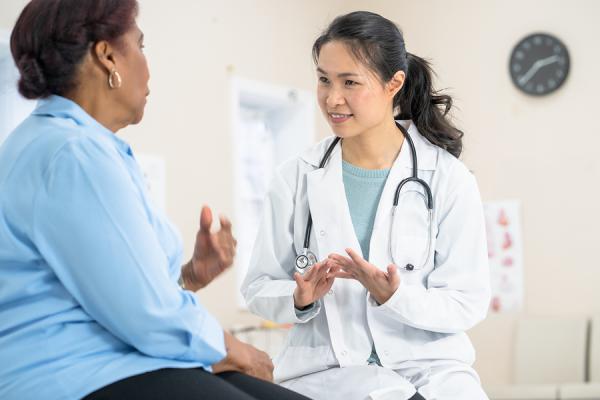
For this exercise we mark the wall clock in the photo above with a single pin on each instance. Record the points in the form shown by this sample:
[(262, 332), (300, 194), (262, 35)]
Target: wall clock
[(539, 64)]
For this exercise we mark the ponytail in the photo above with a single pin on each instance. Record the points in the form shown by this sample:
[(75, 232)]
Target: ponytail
[(379, 44), (427, 108)]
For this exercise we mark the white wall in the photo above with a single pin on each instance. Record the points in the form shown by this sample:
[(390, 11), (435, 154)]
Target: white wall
[(541, 151)]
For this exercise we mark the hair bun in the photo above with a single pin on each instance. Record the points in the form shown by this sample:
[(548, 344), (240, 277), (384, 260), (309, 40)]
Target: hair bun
[(33, 84)]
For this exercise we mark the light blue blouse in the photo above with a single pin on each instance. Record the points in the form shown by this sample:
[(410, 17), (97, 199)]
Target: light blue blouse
[(88, 265)]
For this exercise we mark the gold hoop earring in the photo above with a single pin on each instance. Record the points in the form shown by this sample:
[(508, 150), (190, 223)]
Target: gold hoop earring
[(114, 79)]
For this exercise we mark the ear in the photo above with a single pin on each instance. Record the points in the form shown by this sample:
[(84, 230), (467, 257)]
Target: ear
[(103, 53), (395, 84)]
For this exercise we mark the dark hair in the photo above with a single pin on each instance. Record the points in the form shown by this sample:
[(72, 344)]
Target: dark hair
[(52, 37), (379, 43)]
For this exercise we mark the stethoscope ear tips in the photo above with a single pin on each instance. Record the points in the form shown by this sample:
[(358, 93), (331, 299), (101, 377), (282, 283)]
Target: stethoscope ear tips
[(409, 267)]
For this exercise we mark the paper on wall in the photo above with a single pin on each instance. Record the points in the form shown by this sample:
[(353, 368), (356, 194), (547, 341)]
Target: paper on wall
[(505, 254)]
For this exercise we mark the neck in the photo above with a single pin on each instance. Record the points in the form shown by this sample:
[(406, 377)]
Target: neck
[(376, 148), (98, 106)]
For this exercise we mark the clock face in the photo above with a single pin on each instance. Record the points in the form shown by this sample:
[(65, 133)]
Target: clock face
[(539, 64)]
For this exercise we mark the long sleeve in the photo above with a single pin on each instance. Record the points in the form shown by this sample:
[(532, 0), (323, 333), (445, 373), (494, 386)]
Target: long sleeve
[(269, 285), (457, 292), (91, 226)]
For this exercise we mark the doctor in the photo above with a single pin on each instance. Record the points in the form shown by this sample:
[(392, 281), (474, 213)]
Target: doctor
[(388, 278)]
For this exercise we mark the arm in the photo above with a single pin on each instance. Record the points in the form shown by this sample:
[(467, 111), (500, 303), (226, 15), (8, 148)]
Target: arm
[(269, 284), (92, 229)]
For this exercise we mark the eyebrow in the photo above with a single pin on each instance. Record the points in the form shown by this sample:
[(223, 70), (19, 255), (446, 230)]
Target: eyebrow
[(141, 37), (341, 75)]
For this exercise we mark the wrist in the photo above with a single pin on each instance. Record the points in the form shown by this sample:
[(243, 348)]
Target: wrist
[(300, 305), (188, 277)]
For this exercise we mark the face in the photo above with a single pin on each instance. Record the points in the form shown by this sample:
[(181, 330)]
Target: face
[(131, 64), (352, 98)]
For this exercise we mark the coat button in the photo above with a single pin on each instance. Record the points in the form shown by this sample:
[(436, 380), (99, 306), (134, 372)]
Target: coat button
[(386, 353), (322, 233), (344, 353), (331, 291)]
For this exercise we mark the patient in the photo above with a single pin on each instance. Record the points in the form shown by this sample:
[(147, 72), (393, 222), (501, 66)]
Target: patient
[(89, 301)]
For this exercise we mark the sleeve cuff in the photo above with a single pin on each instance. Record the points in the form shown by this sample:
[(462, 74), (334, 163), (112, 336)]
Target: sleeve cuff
[(308, 313)]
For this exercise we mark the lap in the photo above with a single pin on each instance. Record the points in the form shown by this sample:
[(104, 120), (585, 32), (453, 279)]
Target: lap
[(259, 389), (449, 381), (188, 384), (439, 380), (353, 383)]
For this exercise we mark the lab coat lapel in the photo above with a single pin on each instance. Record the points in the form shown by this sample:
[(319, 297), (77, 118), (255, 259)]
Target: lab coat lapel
[(332, 225)]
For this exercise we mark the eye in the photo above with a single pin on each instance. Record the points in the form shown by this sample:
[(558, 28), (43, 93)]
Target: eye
[(351, 83), (323, 79)]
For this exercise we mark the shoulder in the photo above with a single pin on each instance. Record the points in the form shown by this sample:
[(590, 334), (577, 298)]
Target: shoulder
[(49, 137), (455, 182), (450, 171)]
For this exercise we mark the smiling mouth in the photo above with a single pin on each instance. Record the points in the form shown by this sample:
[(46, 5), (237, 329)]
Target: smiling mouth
[(339, 118)]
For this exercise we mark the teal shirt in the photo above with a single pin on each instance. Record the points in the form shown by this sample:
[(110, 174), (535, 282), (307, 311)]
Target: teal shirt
[(363, 191)]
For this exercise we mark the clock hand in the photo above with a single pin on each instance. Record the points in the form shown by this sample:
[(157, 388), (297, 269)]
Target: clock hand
[(536, 67)]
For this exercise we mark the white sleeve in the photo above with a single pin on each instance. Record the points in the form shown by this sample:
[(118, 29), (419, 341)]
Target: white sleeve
[(458, 289), (269, 285)]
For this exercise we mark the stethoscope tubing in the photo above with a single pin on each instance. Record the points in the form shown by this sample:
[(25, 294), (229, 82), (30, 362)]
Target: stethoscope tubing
[(305, 257)]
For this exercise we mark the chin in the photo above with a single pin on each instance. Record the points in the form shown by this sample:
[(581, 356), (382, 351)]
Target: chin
[(138, 118), (139, 113), (344, 131)]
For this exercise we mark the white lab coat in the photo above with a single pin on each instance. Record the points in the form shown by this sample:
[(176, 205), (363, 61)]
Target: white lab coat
[(428, 315)]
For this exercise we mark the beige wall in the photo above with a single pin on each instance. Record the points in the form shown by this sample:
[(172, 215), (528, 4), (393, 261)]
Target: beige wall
[(540, 151)]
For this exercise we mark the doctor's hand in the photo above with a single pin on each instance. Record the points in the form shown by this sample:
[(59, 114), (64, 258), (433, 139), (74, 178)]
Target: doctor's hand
[(381, 285), (244, 358), (314, 284), (213, 252)]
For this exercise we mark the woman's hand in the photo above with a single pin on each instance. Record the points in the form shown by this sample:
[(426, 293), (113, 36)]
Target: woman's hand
[(213, 252), (381, 285), (244, 358), (313, 285)]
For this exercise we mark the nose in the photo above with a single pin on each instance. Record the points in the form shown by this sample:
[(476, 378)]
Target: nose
[(334, 98)]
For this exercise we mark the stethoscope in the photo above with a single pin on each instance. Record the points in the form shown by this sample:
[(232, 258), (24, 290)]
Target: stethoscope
[(307, 258)]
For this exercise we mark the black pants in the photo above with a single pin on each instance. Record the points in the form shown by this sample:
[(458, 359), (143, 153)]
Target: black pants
[(188, 384), (196, 384)]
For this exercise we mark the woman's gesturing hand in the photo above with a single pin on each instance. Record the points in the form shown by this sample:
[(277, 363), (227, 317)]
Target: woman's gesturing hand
[(314, 284), (380, 284), (213, 252)]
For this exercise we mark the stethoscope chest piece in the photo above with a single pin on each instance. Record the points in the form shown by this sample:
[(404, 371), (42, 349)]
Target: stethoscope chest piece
[(305, 260)]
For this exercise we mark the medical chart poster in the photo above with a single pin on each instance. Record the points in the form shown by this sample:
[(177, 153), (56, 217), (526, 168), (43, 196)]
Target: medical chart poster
[(505, 254)]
